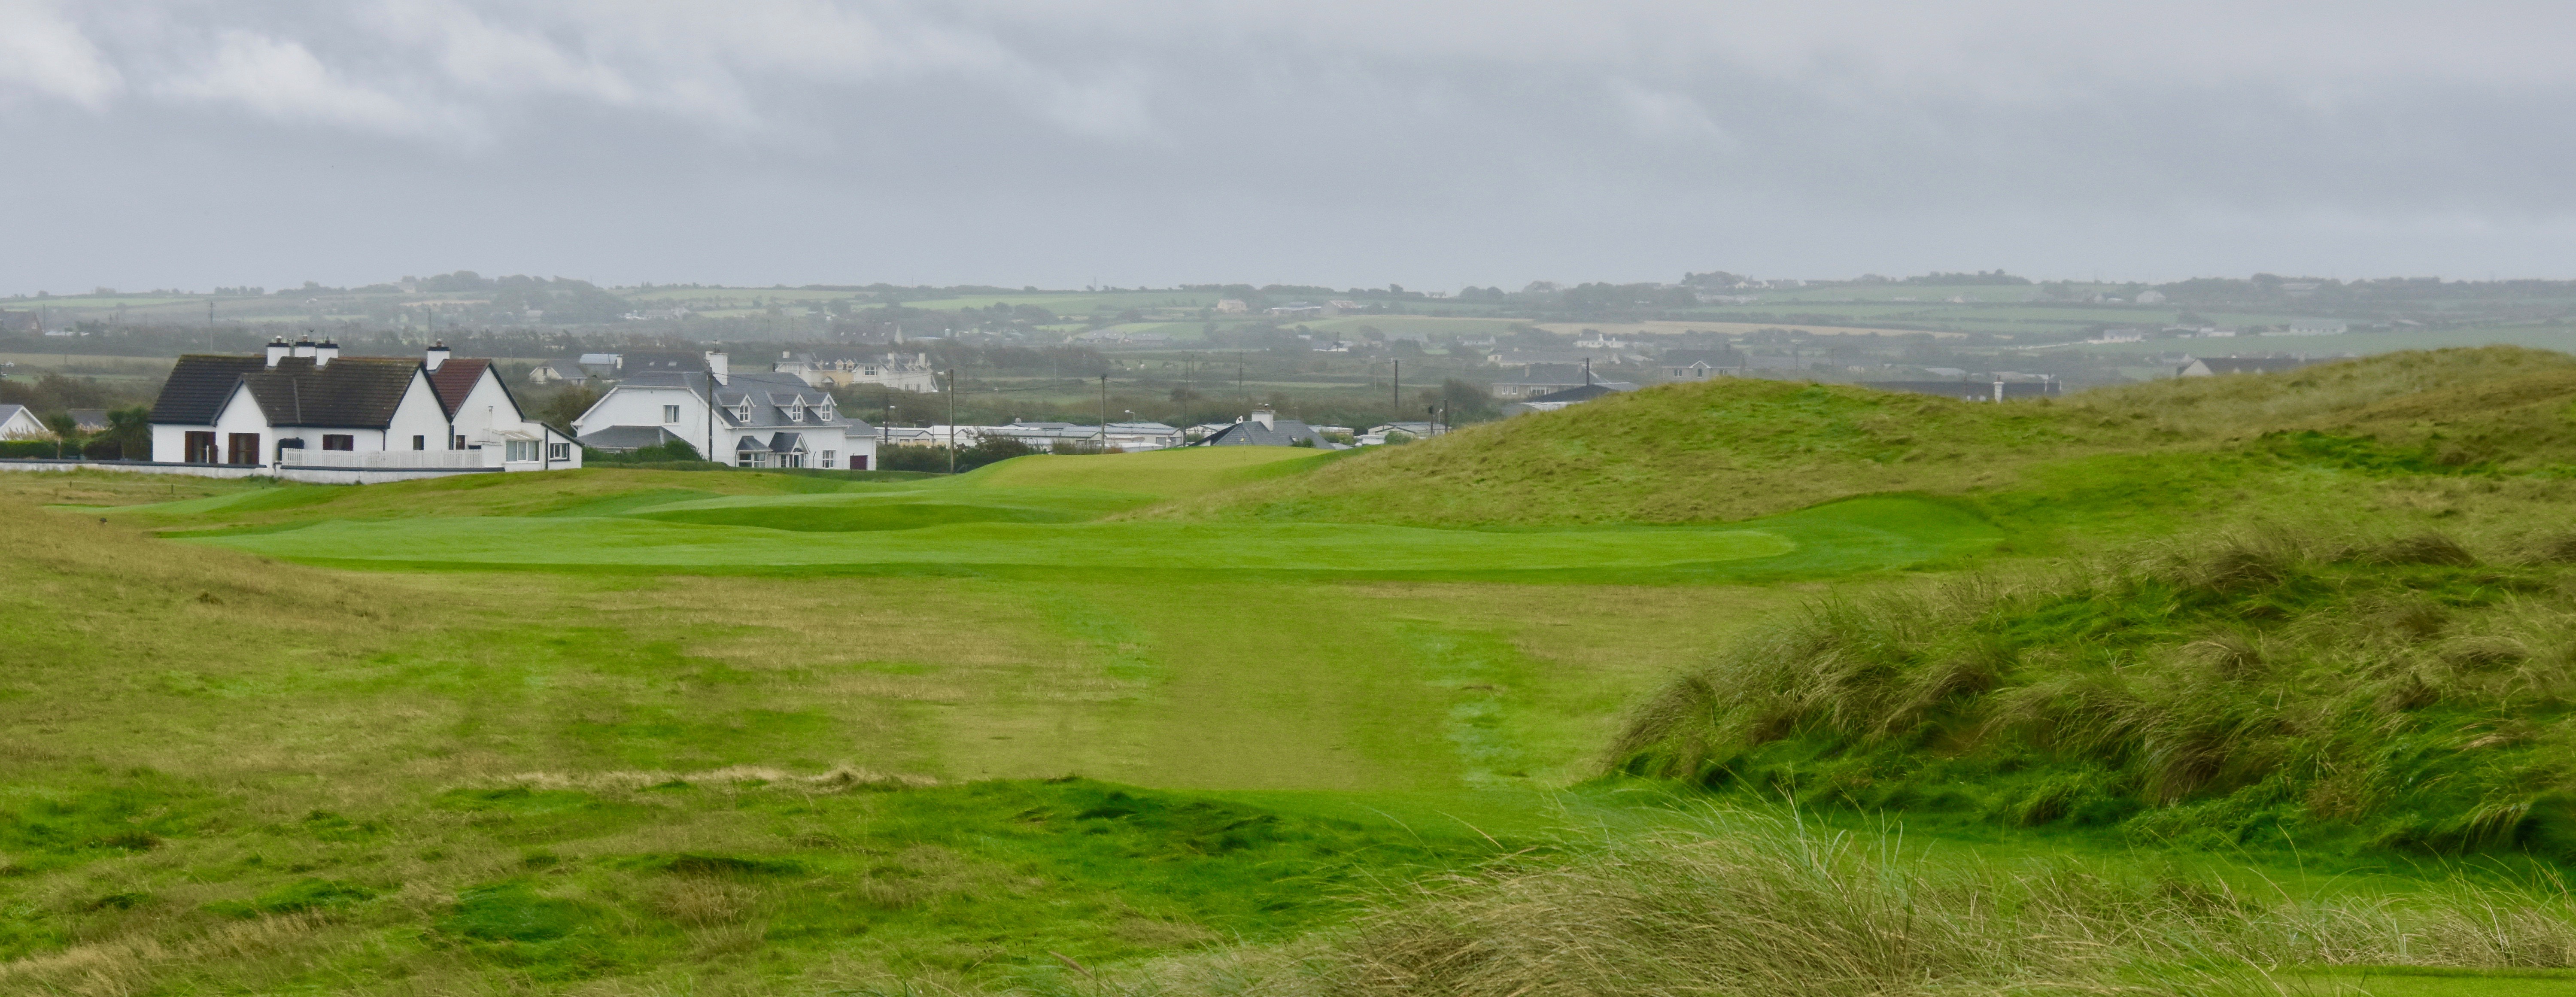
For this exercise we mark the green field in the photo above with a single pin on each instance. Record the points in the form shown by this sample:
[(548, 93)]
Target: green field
[(1212, 721)]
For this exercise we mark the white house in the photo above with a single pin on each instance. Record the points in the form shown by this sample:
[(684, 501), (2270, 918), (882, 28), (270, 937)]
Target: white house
[(896, 371), (481, 414), (303, 406), (748, 420), (2317, 327), (18, 422)]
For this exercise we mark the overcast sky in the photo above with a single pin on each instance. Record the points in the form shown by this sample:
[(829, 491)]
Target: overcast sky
[(191, 143)]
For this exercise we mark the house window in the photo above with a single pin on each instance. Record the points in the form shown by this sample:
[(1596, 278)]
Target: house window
[(339, 441), (822, 413), (241, 448), (558, 451), (742, 459), (521, 450), (458, 444), (670, 413), (420, 443), (827, 458), (201, 448)]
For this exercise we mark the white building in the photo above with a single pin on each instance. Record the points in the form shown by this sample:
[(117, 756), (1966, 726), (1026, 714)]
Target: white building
[(896, 371), (747, 420), (2151, 297), (303, 406), (2317, 327), (18, 422)]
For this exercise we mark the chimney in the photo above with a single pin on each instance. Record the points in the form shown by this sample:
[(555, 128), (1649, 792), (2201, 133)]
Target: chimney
[(1265, 418), (324, 352), (720, 366), (304, 347), (277, 350), (437, 355)]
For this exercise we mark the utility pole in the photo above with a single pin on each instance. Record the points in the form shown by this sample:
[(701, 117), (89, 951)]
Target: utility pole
[(210, 325), (1395, 396), (1104, 413), (952, 420)]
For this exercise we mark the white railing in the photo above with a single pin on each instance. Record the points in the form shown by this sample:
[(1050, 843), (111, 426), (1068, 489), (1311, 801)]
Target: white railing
[(393, 460)]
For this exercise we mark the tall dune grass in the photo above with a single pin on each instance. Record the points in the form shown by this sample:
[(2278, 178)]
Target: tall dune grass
[(1757, 905), (2401, 693)]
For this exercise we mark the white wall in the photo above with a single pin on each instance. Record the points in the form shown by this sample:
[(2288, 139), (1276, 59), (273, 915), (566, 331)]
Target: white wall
[(628, 405), (418, 415)]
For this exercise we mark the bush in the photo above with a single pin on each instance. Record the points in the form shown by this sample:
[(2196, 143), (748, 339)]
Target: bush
[(46, 449)]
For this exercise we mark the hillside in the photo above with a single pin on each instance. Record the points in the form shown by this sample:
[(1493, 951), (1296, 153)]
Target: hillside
[(1732, 449)]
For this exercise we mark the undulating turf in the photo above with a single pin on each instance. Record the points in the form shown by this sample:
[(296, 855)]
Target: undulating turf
[(625, 731)]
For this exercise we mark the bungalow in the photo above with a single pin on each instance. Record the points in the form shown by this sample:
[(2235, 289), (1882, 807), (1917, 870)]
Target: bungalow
[(558, 372), (18, 422), (303, 406), (749, 420), (1699, 365), (1266, 429)]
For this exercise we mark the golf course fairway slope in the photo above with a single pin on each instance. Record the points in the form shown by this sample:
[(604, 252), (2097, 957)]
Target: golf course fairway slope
[(2178, 687)]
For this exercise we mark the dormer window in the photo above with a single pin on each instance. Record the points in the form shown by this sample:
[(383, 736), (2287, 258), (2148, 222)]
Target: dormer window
[(823, 412)]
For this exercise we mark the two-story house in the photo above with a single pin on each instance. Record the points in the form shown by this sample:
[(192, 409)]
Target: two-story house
[(747, 420)]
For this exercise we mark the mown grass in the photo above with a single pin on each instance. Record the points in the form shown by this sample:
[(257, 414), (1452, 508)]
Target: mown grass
[(715, 732)]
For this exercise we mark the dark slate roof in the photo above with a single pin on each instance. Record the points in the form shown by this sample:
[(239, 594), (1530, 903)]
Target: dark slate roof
[(662, 362), (628, 438), (783, 442), (355, 392), (454, 380), (1281, 433), (768, 393), (198, 385), (1549, 373)]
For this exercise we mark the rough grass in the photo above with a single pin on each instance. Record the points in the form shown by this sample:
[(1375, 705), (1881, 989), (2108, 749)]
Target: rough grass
[(1762, 906), (1735, 448), (2401, 693)]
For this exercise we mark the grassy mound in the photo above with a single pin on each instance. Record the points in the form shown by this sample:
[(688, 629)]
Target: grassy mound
[(2399, 694), (1731, 449)]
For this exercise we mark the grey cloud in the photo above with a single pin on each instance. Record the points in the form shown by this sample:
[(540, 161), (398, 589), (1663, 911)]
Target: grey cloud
[(1333, 140)]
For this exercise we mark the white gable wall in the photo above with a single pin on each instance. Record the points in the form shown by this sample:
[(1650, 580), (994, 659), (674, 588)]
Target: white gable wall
[(420, 415), (630, 405)]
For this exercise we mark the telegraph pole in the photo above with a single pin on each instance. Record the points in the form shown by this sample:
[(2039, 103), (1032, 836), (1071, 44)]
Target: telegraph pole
[(1395, 396), (1104, 413), (952, 420), (210, 325)]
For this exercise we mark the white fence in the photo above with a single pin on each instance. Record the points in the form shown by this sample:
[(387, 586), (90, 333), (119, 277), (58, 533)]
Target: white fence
[(393, 460)]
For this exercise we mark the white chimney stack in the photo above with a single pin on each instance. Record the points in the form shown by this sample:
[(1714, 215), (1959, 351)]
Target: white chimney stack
[(277, 349), (1266, 418), (720, 366), (304, 347), (324, 352), (437, 355)]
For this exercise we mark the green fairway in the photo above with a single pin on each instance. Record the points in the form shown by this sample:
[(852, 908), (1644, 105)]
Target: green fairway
[(1267, 720)]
